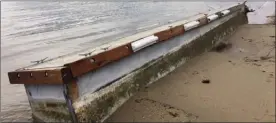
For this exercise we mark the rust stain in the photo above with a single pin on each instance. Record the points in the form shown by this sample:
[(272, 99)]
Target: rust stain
[(73, 90), (172, 32), (91, 63), (53, 76)]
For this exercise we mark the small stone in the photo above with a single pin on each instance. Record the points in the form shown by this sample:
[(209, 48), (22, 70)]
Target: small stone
[(195, 72), (137, 101), (206, 81), (221, 46), (170, 107), (256, 64), (173, 114), (264, 57), (186, 82), (241, 50), (268, 81)]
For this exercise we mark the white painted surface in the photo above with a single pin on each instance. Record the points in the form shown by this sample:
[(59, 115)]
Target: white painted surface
[(142, 43), (225, 12), (191, 25), (45, 92), (212, 17)]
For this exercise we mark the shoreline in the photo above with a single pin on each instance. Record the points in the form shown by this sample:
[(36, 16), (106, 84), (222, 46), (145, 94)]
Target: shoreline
[(241, 85)]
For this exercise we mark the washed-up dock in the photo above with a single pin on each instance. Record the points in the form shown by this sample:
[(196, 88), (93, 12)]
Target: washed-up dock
[(93, 84)]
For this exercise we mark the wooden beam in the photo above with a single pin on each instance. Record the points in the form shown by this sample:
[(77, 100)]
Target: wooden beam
[(57, 75)]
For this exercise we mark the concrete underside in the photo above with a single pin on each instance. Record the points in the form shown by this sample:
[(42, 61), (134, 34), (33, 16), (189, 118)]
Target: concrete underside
[(99, 105), (241, 88)]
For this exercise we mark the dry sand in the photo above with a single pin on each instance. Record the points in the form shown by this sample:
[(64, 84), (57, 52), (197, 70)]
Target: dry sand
[(241, 88)]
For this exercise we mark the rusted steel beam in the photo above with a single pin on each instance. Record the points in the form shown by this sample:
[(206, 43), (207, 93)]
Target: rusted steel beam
[(91, 63), (41, 76)]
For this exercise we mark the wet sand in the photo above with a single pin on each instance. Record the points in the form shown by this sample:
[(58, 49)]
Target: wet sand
[(241, 88)]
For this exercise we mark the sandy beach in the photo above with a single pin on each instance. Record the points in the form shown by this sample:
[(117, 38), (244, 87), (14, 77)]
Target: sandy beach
[(236, 83)]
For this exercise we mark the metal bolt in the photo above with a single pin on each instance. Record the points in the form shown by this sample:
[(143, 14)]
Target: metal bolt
[(39, 61), (92, 60), (46, 74), (87, 54), (171, 28), (105, 48)]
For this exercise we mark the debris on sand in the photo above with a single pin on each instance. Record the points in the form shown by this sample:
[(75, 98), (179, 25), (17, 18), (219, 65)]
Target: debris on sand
[(206, 81), (265, 57), (173, 114), (246, 59), (257, 64), (195, 73), (137, 100), (222, 46), (241, 50), (249, 40)]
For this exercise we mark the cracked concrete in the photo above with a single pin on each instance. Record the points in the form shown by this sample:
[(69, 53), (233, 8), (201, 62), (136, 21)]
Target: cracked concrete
[(241, 87)]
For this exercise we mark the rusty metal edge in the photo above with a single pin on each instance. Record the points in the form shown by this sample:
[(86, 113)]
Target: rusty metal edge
[(94, 62), (85, 65), (58, 75)]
